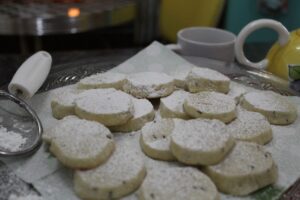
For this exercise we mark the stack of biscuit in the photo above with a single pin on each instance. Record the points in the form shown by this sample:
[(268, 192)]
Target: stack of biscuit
[(214, 131)]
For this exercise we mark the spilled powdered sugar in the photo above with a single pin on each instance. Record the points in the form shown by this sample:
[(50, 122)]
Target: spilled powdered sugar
[(10, 140)]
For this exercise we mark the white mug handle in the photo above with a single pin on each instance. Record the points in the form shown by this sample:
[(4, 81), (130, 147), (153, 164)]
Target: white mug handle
[(283, 38)]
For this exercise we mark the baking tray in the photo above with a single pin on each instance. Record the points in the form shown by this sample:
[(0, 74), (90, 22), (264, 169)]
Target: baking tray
[(66, 74)]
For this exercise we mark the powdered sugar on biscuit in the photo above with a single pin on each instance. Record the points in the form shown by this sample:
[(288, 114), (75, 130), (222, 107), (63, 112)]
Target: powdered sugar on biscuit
[(104, 101), (149, 85), (268, 100)]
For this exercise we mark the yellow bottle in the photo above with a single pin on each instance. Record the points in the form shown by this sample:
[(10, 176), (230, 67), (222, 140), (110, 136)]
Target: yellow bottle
[(179, 14), (284, 59)]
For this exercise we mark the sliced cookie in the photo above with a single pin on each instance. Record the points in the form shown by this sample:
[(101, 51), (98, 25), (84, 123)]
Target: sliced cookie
[(81, 144), (102, 80), (120, 175), (108, 106), (251, 127), (177, 183), (172, 106), (143, 113), (62, 103), (149, 85), (201, 142), (276, 108), (246, 169), (155, 139), (180, 78), (236, 92), (204, 79), (211, 105)]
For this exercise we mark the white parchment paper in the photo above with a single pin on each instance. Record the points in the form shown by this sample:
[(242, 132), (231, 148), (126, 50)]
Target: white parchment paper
[(55, 182)]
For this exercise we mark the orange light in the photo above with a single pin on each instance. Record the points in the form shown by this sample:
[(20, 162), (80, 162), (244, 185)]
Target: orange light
[(73, 12)]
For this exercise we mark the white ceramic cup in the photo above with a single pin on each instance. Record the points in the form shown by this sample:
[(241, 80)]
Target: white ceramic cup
[(213, 43)]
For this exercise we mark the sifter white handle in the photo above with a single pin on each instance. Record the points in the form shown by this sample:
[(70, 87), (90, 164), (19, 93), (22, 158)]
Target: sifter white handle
[(31, 75)]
